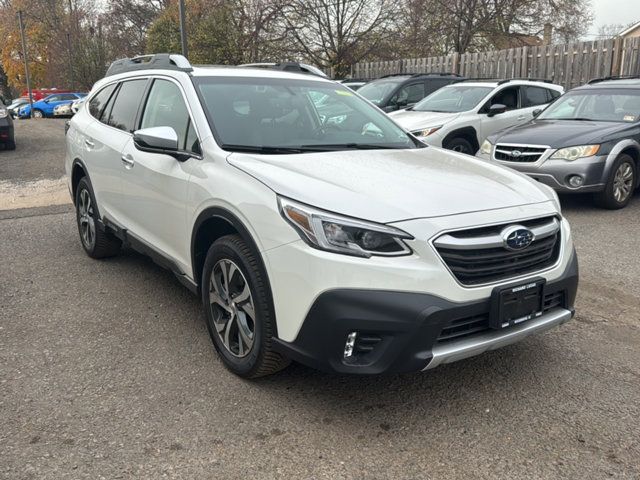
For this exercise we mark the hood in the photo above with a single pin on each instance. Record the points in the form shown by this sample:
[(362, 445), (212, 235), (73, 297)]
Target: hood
[(391, 185), (558, 133), (412, 120)]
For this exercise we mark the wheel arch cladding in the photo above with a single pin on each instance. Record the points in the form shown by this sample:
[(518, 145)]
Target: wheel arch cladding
[(624, 147), (468, 133), (77, 172), (212, 224)]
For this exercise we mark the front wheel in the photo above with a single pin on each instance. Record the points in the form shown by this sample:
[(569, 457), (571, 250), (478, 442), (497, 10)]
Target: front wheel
[(620, 185), (461, 145), (238, 309), (38, 113)]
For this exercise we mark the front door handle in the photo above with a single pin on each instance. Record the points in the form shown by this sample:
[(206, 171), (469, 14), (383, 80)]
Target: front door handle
[(89, 143), (127, 161)]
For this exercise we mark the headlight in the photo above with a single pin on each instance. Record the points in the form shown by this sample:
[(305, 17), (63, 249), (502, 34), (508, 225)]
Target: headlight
[(573, 153), (335, 233), (4, 113), (425, 132), (486, 147)]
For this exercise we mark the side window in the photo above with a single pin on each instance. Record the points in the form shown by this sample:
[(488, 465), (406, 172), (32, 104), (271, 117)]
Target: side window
[(99, 100), (409, 94), (433, 85), (553, 94), (532, 96), (125, 105), (166, 108), (507, 96), (68, 96), (55, 98)]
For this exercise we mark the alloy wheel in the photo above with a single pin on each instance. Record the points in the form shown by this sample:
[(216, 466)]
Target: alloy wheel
[(623, 182), (232, 308), (86, 221), (37, 114)]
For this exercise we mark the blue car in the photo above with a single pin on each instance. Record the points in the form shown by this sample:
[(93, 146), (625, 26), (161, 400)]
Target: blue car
[(44, 108)]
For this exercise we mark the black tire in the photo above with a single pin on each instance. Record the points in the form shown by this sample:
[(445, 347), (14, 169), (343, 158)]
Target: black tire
[(259, 359), (607, 198), (460, 144), (101, 244), (10, 145), (38, 113)]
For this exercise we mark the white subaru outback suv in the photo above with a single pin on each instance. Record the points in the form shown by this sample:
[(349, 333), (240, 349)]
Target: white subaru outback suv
[(461, 116), (322, 234)]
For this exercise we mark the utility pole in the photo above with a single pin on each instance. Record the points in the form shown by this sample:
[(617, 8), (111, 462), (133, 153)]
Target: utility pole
[(183, 28), (26, 62), (71, 29)]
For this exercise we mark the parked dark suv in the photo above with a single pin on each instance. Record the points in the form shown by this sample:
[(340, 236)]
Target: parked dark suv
[(402, 90), (586, 141)]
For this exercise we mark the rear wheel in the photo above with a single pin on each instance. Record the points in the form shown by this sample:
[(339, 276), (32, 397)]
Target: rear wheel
[(460, 144), (97, 242), (620, 185), (238, 307)]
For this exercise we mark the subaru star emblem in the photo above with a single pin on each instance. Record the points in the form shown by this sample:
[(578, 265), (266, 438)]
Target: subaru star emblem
[(516, 153), (517, 237)]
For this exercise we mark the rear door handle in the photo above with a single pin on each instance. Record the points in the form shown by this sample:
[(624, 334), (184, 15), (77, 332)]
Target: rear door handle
[(89, 143), (127, 161)]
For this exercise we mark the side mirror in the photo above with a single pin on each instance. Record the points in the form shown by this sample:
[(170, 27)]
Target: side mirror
[(158, 140), (536, 112), (497, 109)]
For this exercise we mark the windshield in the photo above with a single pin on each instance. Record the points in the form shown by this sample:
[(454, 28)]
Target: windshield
[(269, 115), (604, 105), (453, 99), (376, 92)]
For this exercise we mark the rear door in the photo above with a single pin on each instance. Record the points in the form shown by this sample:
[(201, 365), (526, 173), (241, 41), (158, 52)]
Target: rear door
[(154, 186), (104, 141)]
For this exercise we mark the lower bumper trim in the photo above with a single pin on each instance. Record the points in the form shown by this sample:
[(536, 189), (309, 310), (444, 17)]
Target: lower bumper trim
[(492, 340)]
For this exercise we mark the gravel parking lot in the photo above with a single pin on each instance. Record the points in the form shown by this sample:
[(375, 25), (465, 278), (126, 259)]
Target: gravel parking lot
[(107, 371)]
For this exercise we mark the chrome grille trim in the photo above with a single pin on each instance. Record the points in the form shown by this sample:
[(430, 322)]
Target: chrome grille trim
[(476, 265)]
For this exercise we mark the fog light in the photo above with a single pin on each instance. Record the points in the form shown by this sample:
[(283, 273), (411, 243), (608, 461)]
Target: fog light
[(348, 347), (576, 180)]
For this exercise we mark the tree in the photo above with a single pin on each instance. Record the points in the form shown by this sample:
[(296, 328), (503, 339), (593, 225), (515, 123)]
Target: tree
[(337, 33)]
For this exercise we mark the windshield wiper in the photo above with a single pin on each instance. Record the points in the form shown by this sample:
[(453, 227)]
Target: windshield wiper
[(578, 119), (348, 146), (265, 149)]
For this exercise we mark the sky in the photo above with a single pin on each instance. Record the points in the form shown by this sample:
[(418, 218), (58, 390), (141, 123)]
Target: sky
[(614, 11)]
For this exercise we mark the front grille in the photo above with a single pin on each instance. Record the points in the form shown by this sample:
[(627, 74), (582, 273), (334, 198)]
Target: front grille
[(522, 154), (478, 256), (465, 327)]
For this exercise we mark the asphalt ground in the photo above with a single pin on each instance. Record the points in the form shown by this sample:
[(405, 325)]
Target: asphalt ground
[(107, 371)]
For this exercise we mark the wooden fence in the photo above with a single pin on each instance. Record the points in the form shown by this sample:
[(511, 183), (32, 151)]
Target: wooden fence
[(569, 64)]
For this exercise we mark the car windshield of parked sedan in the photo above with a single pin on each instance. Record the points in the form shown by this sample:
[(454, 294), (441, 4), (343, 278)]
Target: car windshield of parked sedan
[(453, 99), (270, 115), (602, 105), (376, 92)]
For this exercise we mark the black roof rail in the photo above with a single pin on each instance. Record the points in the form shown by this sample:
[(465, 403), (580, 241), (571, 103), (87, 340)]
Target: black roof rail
[(424, 74), (158, 61), (615, 77), (530, 79)]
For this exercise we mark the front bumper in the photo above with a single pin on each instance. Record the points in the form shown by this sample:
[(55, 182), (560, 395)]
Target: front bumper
[(556, 173), (403, 332)]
